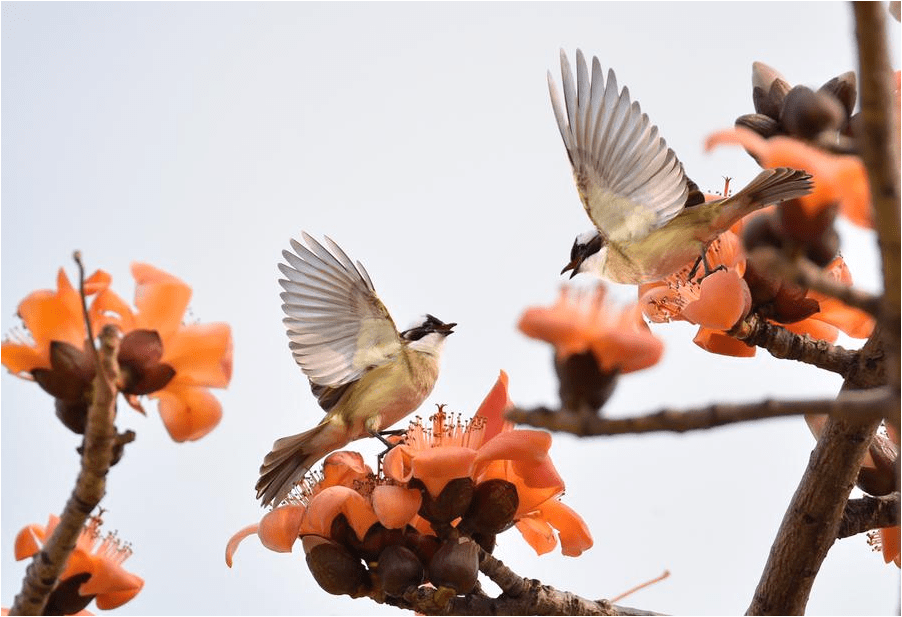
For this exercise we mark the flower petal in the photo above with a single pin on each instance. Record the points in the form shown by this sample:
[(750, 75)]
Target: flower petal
[(717, 342), (343, 468), (21, 359), (161, 299), (724, 300), (438, 466), (572, 530), (538, 534), (110, 583), (188, 412), (331, 502), (236, 539), (201, 354), (493, 406), (396, 505), (280, 527), (890, 541)]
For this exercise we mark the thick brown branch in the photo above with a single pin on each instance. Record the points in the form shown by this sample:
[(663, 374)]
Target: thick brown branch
[(755, 331), (813, 518), (863, 403), (805, 273), (878, 141), (90, 486), (520, 597), (869, 513)]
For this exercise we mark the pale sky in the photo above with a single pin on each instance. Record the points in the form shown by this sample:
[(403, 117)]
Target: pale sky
[(200, 137)]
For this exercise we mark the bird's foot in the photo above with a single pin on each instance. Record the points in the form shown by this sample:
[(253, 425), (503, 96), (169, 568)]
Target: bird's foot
[(703, 260)]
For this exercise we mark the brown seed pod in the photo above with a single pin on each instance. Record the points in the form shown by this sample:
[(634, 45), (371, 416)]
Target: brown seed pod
[(377, 538), (424, 546), (493, 507), (335, 569), (455, 565), (451, 503), (399, 569)]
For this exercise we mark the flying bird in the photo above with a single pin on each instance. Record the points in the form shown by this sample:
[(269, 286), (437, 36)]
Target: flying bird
[(363, 372), (650, 219)]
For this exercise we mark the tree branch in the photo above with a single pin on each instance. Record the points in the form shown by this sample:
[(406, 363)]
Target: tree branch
[(805, 273), (813, 518), (756, 331), (869, 513), (860, 403), (90, 486), (519, 596)]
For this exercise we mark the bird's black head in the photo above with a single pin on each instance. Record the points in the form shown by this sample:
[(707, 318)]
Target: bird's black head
[(585, 245), (430, 324)]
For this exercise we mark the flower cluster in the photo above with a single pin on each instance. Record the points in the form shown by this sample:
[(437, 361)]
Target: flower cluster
[(159, 355), (93, 571), (446, 490), (720, 300)]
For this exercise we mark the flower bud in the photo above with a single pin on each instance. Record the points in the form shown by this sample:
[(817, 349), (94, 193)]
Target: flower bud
[(451, 503), (843, 87), (493, 507), (760, 123), (769, 88), (807, 113), (399, 569), (334, 568), (455, 565)]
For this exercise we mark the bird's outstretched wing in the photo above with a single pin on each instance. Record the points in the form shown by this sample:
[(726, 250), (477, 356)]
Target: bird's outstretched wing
[(630, 182), (337, 326)]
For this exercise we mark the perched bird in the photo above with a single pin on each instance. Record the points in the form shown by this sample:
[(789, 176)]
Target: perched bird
[(365, 374), (650, 219)]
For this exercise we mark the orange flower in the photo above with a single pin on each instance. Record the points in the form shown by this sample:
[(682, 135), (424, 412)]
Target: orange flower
[(718, 302), (199, 354), (100, 558), (345, 487), (159, 355), (50, 316), (486, 448), (618, 338), (833, 314), (837, 178)]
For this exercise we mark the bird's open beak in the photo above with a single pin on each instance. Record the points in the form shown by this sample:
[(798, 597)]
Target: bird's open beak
[(574, 266), (445, 328)]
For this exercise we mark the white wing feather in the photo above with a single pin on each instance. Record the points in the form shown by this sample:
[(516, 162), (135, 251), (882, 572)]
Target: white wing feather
[(337, 326), (630, 182)]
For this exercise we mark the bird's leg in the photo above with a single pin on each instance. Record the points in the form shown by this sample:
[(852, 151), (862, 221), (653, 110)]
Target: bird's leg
[(380, 435), (703, 260)]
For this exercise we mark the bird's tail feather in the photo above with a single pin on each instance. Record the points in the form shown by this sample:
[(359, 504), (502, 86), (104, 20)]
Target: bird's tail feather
[(292, 457), (769, 187)]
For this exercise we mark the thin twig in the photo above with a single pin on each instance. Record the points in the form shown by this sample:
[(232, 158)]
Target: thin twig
[(805, 273), (869, 513), (100, 434), (641, 586), (755, 331), (864, 403)]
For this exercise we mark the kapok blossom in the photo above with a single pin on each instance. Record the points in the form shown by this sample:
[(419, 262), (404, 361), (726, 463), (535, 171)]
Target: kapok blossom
[(99, 556), (347, 487), (160, 355), (617, 337), (838, 178), (487, 448)]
